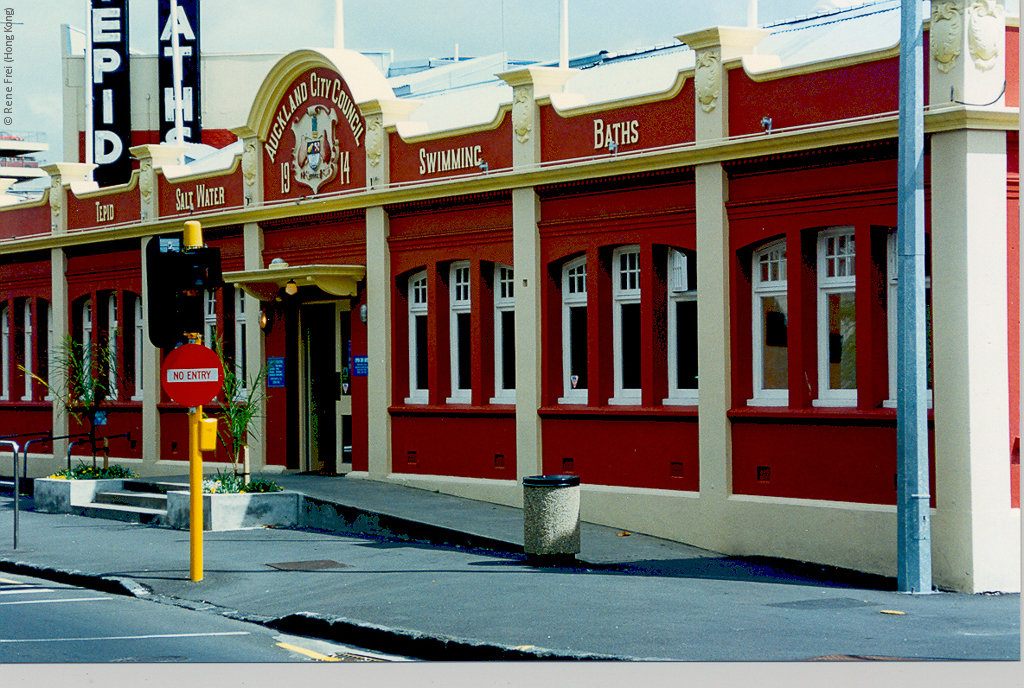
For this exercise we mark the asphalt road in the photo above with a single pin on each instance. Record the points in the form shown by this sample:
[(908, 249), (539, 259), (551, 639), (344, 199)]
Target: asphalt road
[(43, 622)]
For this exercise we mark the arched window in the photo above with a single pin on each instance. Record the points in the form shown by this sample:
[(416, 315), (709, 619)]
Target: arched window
[(574, 332), (460, 341), (418, 372), (504, 335), (770, 327), (682, 327)]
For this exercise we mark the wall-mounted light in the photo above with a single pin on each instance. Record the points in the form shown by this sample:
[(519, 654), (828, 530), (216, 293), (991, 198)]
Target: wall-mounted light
[(362, 313), (613, 146), (264, 321), (766, 122), (291, 289), (484, 166)]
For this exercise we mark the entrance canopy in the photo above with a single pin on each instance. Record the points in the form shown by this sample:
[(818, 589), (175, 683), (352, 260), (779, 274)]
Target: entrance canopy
[(266, 284)]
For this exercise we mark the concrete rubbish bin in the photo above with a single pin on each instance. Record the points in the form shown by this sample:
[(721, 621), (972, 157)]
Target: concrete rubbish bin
[(551, 517)]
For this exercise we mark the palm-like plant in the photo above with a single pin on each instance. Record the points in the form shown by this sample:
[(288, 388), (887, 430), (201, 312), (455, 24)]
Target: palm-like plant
[(82, 378), (240, 404)]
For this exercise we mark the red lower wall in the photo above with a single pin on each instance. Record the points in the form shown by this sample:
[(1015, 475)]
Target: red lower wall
[(453, 443), (625, 451), (819, 458)]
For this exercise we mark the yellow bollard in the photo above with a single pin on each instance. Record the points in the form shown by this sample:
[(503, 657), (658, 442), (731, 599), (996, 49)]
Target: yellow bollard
[(195, 475)]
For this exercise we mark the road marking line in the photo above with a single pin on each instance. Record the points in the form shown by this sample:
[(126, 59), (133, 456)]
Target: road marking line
[(121, 637), (308, 653), (26, 591), (13, 582), (69, 599)]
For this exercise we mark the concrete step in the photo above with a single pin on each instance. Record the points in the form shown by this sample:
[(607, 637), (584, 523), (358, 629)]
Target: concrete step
[(148, 500), (119, 512), (152, 487)]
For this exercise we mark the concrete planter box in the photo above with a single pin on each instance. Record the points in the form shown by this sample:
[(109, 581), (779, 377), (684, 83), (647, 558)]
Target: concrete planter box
[(56, 496), (231, 511)]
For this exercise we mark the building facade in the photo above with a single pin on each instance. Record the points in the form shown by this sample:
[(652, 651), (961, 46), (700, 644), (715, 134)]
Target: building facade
[(685, 296)]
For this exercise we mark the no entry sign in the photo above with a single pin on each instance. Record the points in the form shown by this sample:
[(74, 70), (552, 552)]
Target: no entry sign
[(192, 375)]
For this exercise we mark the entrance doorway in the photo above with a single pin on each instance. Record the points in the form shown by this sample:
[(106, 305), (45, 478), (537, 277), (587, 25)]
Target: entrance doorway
[(325, 421)]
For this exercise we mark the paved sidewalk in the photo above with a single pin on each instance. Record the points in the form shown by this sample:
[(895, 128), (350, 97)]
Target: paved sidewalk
[(440, 577)]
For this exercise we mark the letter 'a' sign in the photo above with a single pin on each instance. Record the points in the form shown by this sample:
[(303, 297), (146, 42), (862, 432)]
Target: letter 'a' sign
[(192, 375), (111, 92)]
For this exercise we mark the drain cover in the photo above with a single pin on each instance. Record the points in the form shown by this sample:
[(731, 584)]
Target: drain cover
[(315, 565), (834, 603)]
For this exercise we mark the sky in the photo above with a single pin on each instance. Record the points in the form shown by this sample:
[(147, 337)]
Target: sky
[(525, 29)]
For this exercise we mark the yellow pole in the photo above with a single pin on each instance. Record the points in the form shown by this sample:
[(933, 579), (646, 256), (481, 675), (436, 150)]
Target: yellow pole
[(195, 480)]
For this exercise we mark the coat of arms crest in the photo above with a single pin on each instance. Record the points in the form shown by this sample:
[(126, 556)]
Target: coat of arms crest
[(315, 158)]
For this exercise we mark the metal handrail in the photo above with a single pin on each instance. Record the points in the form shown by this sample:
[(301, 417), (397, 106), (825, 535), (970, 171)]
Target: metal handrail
[(17, 485)]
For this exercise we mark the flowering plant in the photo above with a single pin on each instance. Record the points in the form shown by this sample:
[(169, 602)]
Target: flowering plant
[(83, 472)]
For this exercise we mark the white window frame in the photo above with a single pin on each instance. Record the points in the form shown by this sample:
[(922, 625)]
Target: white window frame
[(504, 302), (210, 319), (5, 352), (679, 291), (774, 286), (460, 302), (241, 360), (418, 306), (843, 280), (574, 295), (51, 355), (87, 336), (625, 291), (140, 334), (112, 327), (892, 314), (27, 334)]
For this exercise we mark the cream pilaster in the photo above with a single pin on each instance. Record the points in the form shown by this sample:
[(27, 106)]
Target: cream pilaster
[(252, 165), (967, 45), (714, 363), (967, 64), (378, 340), (59, 308), (713, 48), (381, 117), (528, 271), (528, 85), (151, 158), (970, 330), (255, 344), (65, 176)]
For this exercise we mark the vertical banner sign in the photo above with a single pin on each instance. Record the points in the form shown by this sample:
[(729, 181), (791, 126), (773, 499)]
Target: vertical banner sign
[(111, 92), (188, 51)]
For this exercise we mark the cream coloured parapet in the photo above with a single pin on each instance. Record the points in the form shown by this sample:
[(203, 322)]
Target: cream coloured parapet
[(528, 85), (967, 60), (379, 116), (976, 534), (713, 47), (64, 176), (153, 157)]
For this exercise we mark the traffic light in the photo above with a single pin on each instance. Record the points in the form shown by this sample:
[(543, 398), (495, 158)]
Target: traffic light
[(177, 276)]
